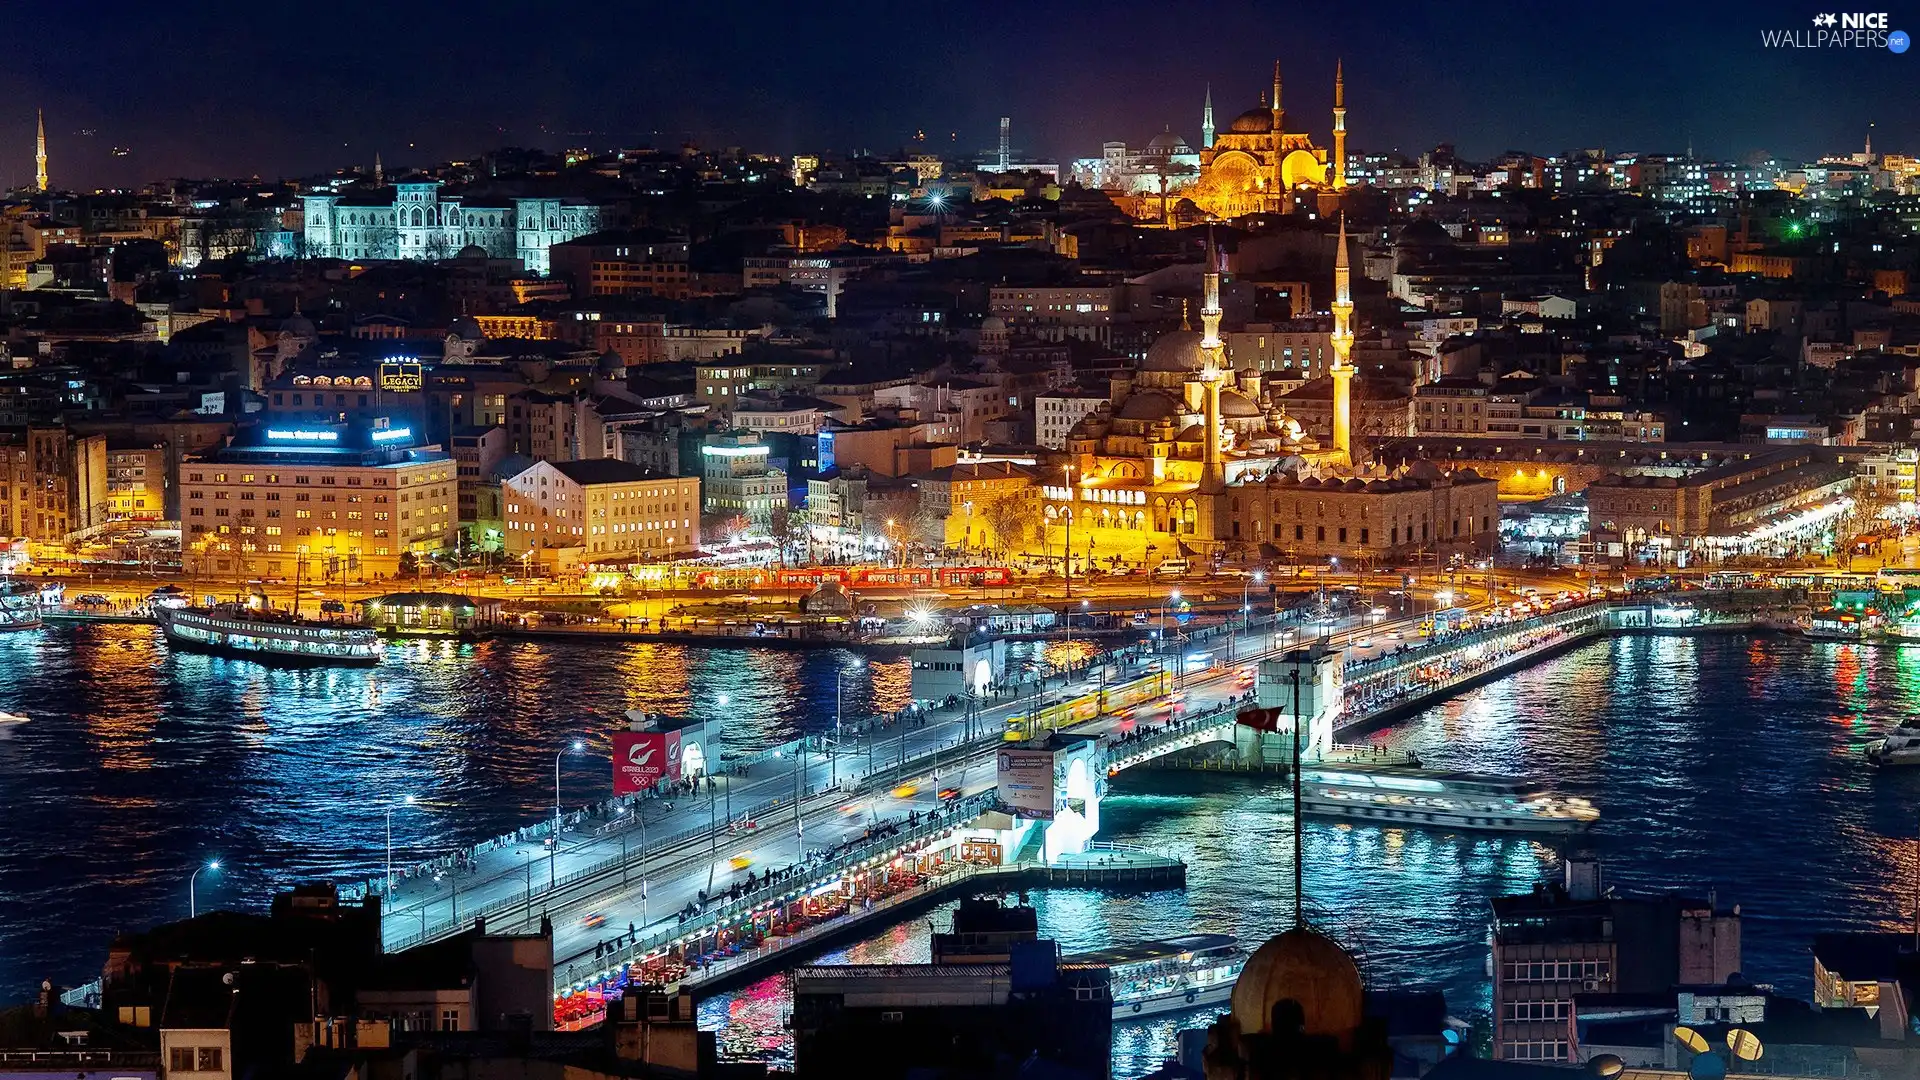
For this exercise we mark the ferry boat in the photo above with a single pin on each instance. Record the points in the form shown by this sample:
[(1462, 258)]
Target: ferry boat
[(270, 636), (1900, 745), (1152, 978), (1834, 624), (18, 610), (1456, 800)]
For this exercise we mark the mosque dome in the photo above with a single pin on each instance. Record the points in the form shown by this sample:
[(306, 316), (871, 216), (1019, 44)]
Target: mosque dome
[(1178, 350), (993, 324), (1307, 967), (1253, 122), (472, 251), (610, 365), (1148, 405), (298, 325), (1238, 406), (1167, 143), (466, 328)]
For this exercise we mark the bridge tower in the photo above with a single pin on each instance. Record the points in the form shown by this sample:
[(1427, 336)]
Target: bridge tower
[(1304, 687)]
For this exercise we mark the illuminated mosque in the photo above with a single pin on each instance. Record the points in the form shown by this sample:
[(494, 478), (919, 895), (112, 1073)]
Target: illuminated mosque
[(1256, 165)]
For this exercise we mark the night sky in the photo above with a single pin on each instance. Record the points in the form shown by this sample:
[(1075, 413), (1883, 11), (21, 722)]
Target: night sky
[(271, 88)]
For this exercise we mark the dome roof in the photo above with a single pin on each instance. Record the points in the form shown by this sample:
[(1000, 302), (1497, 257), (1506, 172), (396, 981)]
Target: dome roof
[(1237, 405), (472, 251), (1253, 122), (993, 324), (1308, 968), (1167, 143), (466, 328), (1424, 230), (1148, 405), (1178, 350), (298, 325)]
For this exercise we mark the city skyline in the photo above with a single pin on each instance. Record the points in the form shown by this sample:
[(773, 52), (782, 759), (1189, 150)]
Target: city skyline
[(1498, 78)]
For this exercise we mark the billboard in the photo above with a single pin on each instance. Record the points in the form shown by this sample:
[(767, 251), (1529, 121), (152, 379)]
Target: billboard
[(1026, 782), (640, 760)]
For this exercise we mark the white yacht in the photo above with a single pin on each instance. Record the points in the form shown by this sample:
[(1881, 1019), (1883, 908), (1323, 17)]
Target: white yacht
[(1392, 795), (9, 719), (1900, 746), (19, 610), (1151, 978)]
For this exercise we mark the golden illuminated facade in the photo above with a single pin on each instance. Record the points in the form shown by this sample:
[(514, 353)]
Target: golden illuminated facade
[(1255, 165)]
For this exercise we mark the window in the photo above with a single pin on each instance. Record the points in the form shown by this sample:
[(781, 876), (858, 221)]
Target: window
[(209, 1059), (180, 1059), (450, 1020)]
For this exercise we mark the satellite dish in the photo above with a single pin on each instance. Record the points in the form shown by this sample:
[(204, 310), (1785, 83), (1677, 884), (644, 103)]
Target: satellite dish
[(1707, 1067), (1690, 1039), (1606, 1065), (1744, 1044)]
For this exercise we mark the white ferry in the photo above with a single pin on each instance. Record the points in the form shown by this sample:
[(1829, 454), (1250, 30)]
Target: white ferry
[(1415, 797), (1151, 978), (1900, 745), (270, 636), (18, 610), (1833, 624)]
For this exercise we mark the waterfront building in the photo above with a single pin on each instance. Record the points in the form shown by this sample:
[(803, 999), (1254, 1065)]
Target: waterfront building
[(59, 483), (430, 614), (1775, 502), (415, 219), (559, 513), (1575, 936), (334, 501), (737, 479), (136, 481), (979, 506)]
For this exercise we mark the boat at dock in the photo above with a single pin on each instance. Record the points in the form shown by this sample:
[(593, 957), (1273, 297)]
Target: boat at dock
[(270, 636), (1834, 624), (18, 610), (1153, 978), (1394, 795), (1899, 746)]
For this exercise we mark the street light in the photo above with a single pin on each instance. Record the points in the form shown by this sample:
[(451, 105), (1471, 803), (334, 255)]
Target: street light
[(406, 800), (553, 842), (193, 909), (839, 694), (1171, 597)]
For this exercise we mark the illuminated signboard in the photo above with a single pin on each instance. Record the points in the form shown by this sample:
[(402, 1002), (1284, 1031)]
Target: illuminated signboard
[(735, 451), (284, 435), (392, 434), (401, 375)]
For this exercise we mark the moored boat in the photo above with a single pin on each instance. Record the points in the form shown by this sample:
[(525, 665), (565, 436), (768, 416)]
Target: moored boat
[(18, 610), (1899, 746), (270, 636), (1392, 795), (1152, 978)]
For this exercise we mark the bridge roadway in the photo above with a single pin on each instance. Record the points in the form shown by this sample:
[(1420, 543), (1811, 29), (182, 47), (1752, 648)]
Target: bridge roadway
[(641, 869)]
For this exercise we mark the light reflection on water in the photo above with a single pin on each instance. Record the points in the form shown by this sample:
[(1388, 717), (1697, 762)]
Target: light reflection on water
[(1733, 761)]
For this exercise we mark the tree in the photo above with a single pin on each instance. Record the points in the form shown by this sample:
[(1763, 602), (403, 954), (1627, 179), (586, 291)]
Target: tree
[(1009, 520), (409, 563)]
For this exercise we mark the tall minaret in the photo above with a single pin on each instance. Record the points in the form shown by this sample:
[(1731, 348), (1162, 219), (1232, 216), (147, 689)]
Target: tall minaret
[(379, 174), (1339, 126), (1279, 114), (1206, 120), (40, 153), (1342, 341), (1212, 358)]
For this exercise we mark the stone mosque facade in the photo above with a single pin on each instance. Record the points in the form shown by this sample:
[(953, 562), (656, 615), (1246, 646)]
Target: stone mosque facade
[(1189, 458), (1255, 165)]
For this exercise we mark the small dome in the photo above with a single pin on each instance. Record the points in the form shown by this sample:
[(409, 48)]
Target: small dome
[(1167, 143), (466, 328), (1192, 433), (1253, 122), (298, 325), (1148, 405), (1238, 406), (1310, 969), (611, 364), (993, 324), (1178, 350), (472, 251)]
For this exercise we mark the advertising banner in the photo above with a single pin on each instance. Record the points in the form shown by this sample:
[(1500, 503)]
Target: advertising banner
[(640, 760), (1026, 782), (674, 755)]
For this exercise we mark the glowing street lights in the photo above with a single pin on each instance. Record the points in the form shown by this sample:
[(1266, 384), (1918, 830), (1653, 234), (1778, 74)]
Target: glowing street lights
[(553, 845), (193, 908), (405, 800)]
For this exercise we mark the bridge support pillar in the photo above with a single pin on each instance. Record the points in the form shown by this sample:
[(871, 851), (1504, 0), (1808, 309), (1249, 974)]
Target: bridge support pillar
[(1304, 685)]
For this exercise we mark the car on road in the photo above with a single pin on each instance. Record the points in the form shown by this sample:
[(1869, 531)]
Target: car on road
[(949, 793), (595, 920)]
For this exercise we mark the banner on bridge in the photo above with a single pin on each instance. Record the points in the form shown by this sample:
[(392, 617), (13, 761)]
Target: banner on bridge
[(642, 759), (1026, 782)]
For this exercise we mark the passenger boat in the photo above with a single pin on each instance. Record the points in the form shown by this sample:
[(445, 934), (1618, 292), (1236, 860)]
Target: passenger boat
[(18, 610), (1900, 746), (1419, 797), (8, 719), (270, 636), (1833, 624), (1151, 978)]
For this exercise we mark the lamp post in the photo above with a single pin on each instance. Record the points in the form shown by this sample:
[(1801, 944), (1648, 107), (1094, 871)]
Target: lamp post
[(553, 842), (1066, 550), (1164, 605), (193, 908), (405, 800), (1246, 620), (839, 695)]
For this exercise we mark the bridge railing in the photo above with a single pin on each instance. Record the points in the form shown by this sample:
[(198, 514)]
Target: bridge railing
[(804, 879)]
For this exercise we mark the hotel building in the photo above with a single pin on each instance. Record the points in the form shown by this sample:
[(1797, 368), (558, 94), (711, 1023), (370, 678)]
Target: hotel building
[(559, 511)]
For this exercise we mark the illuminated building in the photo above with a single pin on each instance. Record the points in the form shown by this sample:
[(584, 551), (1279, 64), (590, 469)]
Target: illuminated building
[(558, 513), (59, 483), (335, 501), (738, 479), (137, 482), (40, 152), (412, 220), (1257, 166)]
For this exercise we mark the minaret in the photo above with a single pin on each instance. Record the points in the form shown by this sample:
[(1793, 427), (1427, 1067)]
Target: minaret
[(1339, 127), (379, 174), (1206, 120), (1279, 114), (40, 153), (1342, 341), (1212, 356), (1282, 199)]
